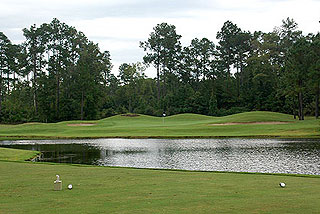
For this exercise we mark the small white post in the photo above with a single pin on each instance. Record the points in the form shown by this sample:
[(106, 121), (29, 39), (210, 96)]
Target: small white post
[(57, 184)]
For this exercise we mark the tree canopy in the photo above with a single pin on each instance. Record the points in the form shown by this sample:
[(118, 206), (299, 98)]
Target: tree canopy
[(58, 74)]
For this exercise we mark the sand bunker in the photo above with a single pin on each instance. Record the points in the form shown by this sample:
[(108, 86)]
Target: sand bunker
[(245, 123), (81, 124)]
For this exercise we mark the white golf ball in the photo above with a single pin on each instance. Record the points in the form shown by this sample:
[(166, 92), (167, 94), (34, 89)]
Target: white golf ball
[(282, 184), (70, 186)]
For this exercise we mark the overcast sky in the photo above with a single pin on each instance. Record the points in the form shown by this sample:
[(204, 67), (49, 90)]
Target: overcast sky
[(119, 25)]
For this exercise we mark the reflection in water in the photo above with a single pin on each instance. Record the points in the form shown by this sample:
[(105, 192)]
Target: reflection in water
[(241, 155)]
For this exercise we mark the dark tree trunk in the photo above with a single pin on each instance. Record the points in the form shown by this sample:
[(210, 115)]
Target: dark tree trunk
[(14, 80), (294, 109), (35, 104), (317, 101), (301, 116), (238, 82), (58, 96), (8, 84), (82, 103), (158, 80), (164, 92), (0, 93), (130, 106), (241, 71)]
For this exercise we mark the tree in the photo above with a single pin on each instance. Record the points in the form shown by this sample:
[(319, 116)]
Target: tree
[(234, 47), (88, 78), (4, 64), (289, 34), (198, 59), (163, 48), (35, 57), (129, 75), (106, 66), (227, 40), (61, 47), (314, 74), (297, 67), (260, 74)]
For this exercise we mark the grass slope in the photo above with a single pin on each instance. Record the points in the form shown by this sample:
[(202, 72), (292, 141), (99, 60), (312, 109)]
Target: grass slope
[(183, 125), (16, 154)]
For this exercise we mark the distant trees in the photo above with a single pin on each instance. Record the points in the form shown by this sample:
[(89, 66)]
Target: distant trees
[(314, 73), (59, 70), (130, 75), (4, 66), (297, 66), (57, 74)]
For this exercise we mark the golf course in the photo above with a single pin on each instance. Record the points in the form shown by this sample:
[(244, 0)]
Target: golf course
[(27, 187)]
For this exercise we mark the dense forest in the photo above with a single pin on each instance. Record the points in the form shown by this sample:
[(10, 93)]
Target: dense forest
[(58, 74)]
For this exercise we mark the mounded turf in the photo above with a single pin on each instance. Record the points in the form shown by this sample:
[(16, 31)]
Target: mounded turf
[(183, 126)]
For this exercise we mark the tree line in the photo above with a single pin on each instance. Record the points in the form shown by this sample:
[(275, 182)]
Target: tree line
[(58, 74)]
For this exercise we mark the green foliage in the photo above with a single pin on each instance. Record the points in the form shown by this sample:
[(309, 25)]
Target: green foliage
[(57, 74)]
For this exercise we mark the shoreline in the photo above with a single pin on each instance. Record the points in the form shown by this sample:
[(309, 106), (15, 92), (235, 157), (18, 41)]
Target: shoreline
[(167, 170), (8, 138)]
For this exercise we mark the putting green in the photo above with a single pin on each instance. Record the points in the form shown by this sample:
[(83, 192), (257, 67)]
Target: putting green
[(249, 124)]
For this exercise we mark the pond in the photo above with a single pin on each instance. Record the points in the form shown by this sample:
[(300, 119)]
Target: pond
[(297, 156)]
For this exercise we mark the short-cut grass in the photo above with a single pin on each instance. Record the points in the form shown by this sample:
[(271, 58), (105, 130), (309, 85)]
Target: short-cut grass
[(17, 154), (28, 188), (177, 126)]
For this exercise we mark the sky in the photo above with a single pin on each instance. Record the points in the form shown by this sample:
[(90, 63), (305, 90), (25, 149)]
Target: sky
[(119, 25)]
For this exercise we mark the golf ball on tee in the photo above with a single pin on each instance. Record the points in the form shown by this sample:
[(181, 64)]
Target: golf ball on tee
[(70, 186)]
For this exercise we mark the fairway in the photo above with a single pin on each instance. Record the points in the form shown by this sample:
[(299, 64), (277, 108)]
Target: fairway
[(249, 124), (27, 187)]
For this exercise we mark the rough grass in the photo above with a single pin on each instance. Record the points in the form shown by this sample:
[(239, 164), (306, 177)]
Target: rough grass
[(183, 126)]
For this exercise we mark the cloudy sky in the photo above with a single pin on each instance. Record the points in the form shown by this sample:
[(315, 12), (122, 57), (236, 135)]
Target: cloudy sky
[(119, 25)]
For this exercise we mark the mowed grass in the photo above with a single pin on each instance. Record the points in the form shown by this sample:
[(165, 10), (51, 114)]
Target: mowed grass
[(17, 154), (183, 125), (28, 188)]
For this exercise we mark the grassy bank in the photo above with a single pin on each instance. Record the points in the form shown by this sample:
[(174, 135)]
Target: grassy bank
[(183, 125), (28, 188), (16, 154)]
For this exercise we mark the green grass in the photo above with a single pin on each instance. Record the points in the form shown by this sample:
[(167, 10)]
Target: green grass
[(16, 154), (183, 126), (28, 188)]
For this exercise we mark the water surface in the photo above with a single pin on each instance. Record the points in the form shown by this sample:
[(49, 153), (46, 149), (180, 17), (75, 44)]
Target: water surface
[(298, 156)]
